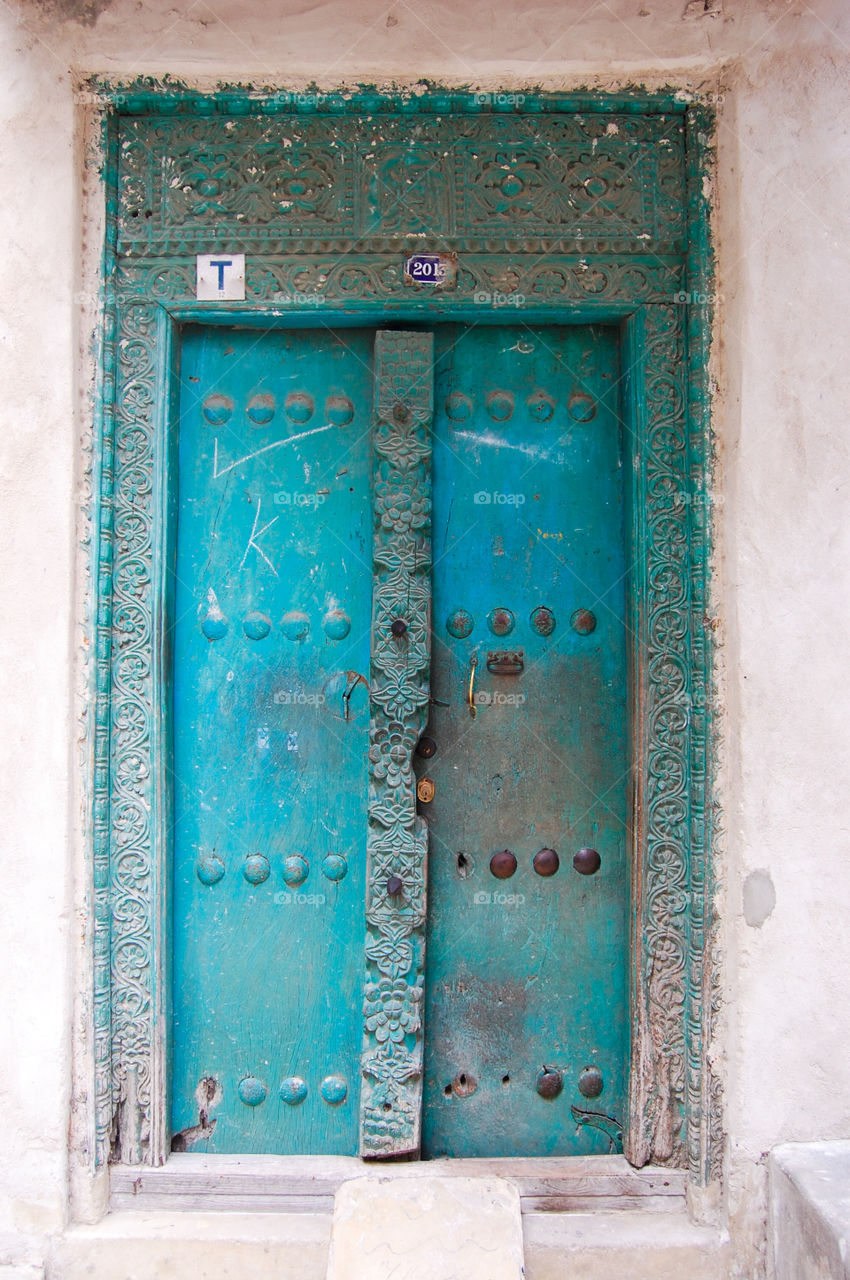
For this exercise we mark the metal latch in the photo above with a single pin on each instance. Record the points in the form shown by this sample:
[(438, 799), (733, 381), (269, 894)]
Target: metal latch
[(505, 662)]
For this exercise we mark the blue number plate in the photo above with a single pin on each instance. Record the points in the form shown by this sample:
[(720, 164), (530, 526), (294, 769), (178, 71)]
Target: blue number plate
[(431, 268)]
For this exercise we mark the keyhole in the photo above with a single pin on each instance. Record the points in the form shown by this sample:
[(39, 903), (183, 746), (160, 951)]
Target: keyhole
[(465, 865)]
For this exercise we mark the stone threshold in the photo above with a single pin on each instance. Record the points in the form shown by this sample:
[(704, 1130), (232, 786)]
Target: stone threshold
[(155, 1245), (308, 1184)]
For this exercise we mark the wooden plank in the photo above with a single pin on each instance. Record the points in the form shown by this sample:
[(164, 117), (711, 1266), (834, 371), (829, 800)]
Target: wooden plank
[(308, 1184)]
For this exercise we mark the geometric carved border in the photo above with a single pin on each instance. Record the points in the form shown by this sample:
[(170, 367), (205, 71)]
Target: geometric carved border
[(649, 247)]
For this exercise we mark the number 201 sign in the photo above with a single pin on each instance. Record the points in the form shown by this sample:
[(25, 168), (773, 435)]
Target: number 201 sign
[(438, 269)]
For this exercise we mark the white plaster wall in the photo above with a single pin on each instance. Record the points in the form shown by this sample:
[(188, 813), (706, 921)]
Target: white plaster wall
[(783, 71), (786, 453), (37, 518)]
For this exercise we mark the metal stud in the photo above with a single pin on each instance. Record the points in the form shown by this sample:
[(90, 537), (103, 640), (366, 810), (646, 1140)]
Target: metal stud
[(293, 1090), (583, 621), (543, 621), (546, 862), (256, 868), (295, 869), (500, 621), (334, 1089), (550, 1082), (587, 862), (503, 864), (252, 1091), (590, 1082), (459, 624), (210, 869)]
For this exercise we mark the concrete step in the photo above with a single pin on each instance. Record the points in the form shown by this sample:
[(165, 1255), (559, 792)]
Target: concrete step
[(810, 1210), (387, 1228), (612, 1246), (221, 1245), (148, 1245)]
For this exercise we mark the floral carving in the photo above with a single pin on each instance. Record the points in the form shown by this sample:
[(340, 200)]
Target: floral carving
[(391, 1009), (389, 755), (391, 1083), (398, 509)]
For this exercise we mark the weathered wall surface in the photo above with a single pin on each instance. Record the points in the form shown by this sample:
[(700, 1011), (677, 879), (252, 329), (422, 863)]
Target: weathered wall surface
[(781, 70)]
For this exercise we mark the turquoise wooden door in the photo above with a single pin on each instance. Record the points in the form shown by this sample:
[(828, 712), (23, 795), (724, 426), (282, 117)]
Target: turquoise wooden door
[(526, 1017), (525, 1026), (271, 668)]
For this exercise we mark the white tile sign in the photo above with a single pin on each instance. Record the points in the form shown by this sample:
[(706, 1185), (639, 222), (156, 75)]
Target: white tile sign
[(220, 277)]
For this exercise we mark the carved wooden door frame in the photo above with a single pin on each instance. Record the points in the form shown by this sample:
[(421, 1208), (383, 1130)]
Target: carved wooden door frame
[(561, 208)]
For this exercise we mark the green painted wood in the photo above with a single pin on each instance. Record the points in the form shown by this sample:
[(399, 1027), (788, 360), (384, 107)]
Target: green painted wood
[(529, 972), (270, 709), (157, 147), (282, 626), (399, 697)]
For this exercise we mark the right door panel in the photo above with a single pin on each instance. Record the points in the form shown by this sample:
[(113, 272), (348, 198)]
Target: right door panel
[(526, 1025)]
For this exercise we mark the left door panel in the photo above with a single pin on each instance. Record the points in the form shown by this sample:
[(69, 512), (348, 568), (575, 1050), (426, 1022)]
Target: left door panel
[(270, 639)]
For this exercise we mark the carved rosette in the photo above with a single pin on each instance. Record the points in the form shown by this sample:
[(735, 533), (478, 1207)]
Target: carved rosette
[(401, 654)]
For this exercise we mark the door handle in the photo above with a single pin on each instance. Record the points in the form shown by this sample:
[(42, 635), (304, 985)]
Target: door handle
[(470, 689), (503, 662)]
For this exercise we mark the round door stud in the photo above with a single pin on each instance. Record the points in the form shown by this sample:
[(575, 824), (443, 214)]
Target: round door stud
[(217, 409), (458, 406), (299, 406), (293, 1090), (581, 407), (590, 1082), (334, 1090), (252, 1091), (256, 868), (339, 410), (426, 747), (260, 409), (500, 621), (587, 862), (543, 621), (546, 862), (295, 869), (335, 866), (210, 869), (459, 624), (256, 625), (398, 627), (540, 406), (295, 625), (550, 1082), (395, 884), (337, 624), (583, 621), (503, 864)]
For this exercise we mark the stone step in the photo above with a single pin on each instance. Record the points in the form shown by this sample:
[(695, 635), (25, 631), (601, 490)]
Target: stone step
[(612, 1246), (388, 1228), (810, 1210), (221, 1245), (153, 1245)]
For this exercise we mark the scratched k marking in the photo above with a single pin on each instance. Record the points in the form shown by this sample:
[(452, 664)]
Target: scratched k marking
[(258, 533)]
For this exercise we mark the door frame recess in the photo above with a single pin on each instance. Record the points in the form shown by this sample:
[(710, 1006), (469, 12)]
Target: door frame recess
[(605, 219)]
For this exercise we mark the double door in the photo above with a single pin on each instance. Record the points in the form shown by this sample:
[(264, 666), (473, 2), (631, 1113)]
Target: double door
[(510, 1019)]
